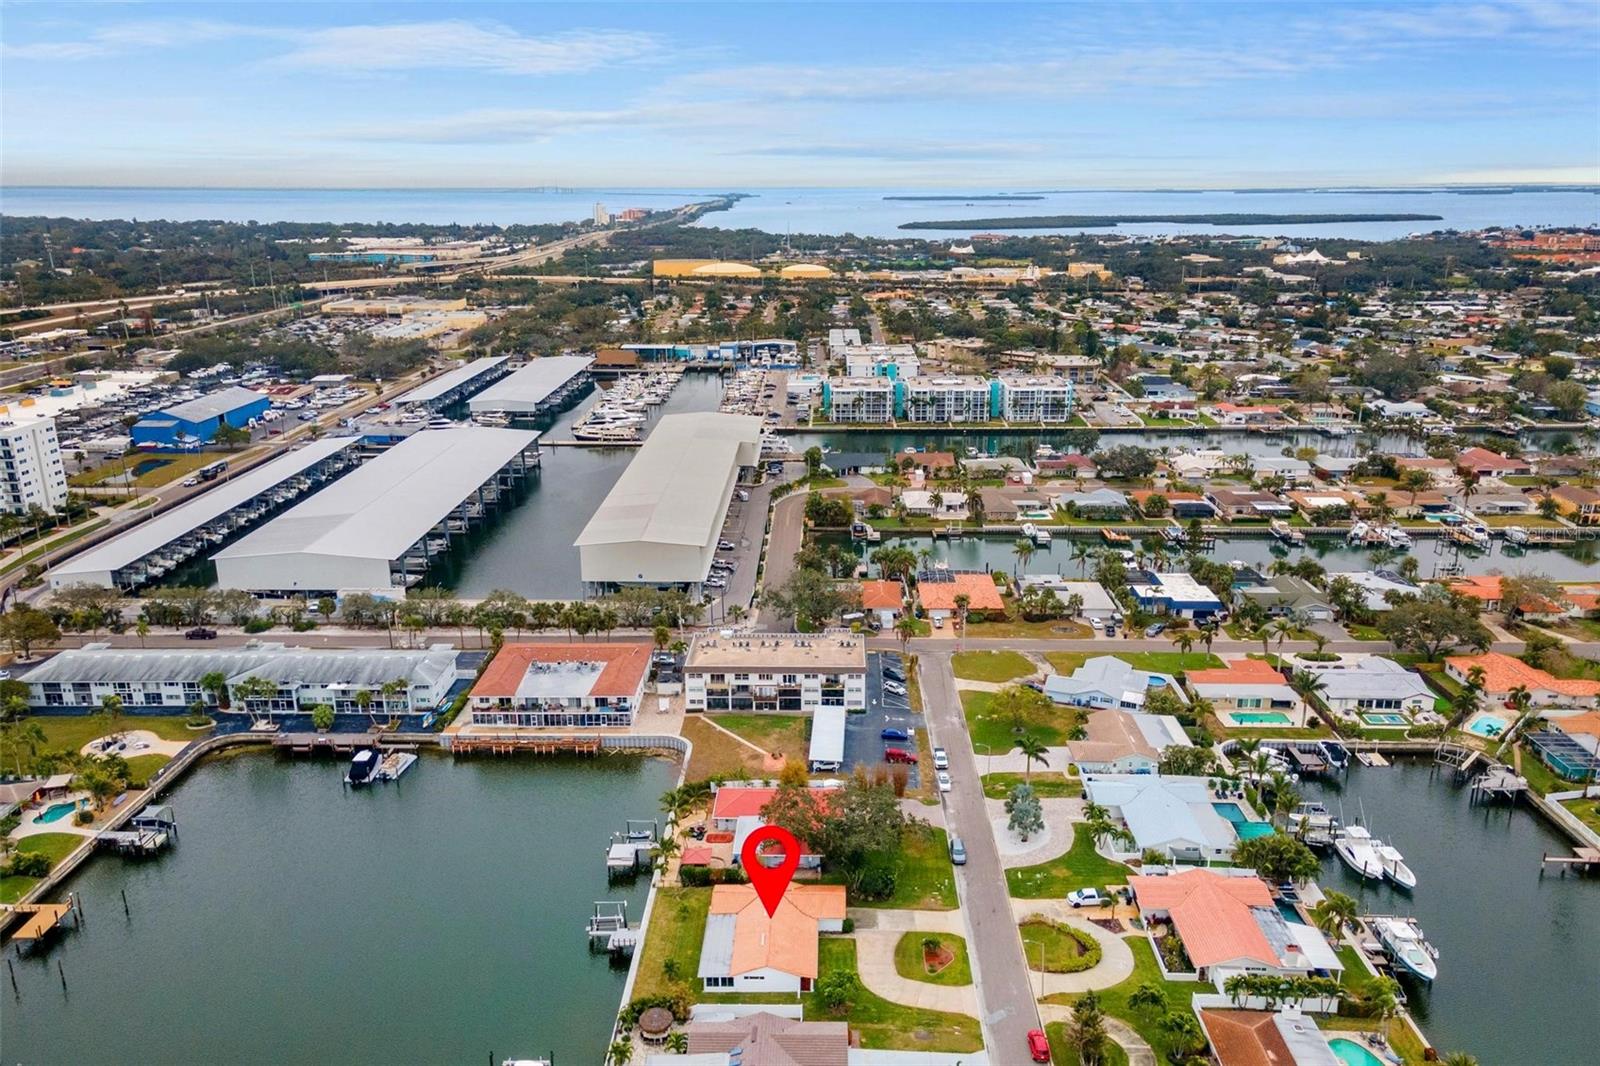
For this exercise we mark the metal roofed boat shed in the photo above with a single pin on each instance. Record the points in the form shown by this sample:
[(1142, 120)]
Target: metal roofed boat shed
[(827, 738), (117, 562), (529, 391), (387, 519), (660, 522), (453, 384)]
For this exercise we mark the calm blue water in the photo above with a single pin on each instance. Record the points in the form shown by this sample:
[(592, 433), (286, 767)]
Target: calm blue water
[(861, 211)]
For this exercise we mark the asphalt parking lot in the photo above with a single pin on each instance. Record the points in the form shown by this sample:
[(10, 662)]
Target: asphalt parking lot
[(863, 744)]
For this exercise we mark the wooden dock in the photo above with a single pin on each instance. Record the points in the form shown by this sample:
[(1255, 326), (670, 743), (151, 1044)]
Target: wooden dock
[(1498, 782), (307, 743), (1584, 860), (43, 919)]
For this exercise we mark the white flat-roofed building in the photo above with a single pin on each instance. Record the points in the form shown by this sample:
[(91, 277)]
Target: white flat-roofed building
[(659, 524), (881, 360), (965, 398), (455, 384), (792, 672), (170, 678), (31, 472), (151, 549), (867, 399), (1036, 397), (383, 524), (540, 386), (1095, 603)]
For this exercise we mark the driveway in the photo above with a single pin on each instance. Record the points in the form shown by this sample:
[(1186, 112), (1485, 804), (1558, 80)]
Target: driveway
[(788, 529), (1004, 992), (875, 963), (1116, 958)]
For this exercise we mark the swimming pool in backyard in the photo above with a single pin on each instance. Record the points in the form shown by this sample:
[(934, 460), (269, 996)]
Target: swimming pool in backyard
[(1484, 724), (1353, 1054), (55, 812), (1260, 718), (1243, 827), (1385, 719)]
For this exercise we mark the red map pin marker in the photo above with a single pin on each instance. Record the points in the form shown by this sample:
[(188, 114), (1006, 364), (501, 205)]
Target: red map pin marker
[(770, 882)]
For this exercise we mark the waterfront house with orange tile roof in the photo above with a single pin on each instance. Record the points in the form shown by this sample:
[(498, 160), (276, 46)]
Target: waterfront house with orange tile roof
[(561, 685), (1502, 673), (745, 950), (886, 600), (937, 593), (1265, 1038)]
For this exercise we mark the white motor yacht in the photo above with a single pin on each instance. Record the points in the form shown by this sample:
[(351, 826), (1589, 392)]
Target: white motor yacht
[(1404, 942), (1394, 866), (1356, 848)]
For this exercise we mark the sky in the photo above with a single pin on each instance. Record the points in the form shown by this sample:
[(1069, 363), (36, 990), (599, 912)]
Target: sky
[(983, 96)]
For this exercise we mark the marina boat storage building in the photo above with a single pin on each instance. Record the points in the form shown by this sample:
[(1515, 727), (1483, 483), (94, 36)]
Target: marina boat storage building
[(542, 386), (659, 524), (169, 679), (799, 672), (198, 420), (455, 385), (386, 522), (155, 547), (534, 686)]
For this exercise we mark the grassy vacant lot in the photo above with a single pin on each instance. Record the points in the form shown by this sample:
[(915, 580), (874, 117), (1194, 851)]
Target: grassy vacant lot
[(677, 925), (71, 732), (997, 666), (1054, 629), (1162, 662), (885, 1025), (927, 880), (1046, 785), (56, 845), (1049, 723), (715, 752), (1082, 867), (1114, 1000), (908, 959), (176, 466), (1586, 811), (783, 735)]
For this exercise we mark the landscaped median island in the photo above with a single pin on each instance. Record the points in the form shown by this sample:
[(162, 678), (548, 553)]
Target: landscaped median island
[(1081, 867), (1055, 947), (880, 1023), (937, 958)]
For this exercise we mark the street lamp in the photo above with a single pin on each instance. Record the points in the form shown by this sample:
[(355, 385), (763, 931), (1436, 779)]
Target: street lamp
[(988, 753)]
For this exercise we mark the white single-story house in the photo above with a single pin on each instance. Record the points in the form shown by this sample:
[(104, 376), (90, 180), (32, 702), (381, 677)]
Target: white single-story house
[(1372, 684), (1106, 681), (1171, 815), (1098, 605)]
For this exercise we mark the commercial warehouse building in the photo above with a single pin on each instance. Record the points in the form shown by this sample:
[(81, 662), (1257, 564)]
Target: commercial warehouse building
[(384, 524), (458, 384), (659, 524), (154, 548), (544, 385), (802, 672), (164, 680), (195, 422)]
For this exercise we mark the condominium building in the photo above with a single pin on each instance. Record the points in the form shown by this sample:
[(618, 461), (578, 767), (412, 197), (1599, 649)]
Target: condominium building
[(1036, 398), (881, 360), (859, 399), (555, 685), (776, 672), (31, 473), (967, 398)]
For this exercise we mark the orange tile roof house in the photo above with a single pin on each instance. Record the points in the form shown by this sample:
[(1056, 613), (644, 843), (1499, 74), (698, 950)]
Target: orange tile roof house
[(1484, 463), (1486, 589), (744, 950), (1265, 1038), (886, 599), (1229, 924), (1502, 673), (560, 686), (938, 596)]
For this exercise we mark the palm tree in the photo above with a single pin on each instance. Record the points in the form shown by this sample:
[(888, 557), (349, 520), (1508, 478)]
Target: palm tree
[(1236, 988), (1081, 550), (620, 1053), (1335, 912), (678, 1042), (1306, 684), (1033, 751), (1281, 628), (1183, 1029), (1459, 1058), (1183, 639), (1149, 994), (1520, 699), (215, 685), (905, 628), (1023, 549)]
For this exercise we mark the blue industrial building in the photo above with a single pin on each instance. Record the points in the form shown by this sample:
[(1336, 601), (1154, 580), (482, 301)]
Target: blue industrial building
[(194, 423)]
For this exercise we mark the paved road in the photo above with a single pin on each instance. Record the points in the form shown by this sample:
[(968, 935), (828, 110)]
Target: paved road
[(999, 970), (788, 529), (1584, 649)]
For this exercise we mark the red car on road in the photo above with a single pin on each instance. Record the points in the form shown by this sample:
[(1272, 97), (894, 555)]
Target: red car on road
[(1038, 1045)]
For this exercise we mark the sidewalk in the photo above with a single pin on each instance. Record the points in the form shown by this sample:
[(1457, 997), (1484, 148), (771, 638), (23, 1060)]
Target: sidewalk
[(875, 964)]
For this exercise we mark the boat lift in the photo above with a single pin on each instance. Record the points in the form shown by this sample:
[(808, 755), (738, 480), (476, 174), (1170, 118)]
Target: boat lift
[(608, 928)]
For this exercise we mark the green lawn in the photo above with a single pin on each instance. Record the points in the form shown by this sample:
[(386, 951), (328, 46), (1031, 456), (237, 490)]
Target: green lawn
[(1057, 948), (1360, 632), (780, 734), (56, 845), (997, 666), (927, 880), (1082, 867), (1046, 785), (908, 959), (885, 1025), (1162, 662), (1586, 811), (140, 767), (994, 732), (1114, 1000), (71, 732), (176, 466), (677, 925), (1051, 629), (1063, 1054)]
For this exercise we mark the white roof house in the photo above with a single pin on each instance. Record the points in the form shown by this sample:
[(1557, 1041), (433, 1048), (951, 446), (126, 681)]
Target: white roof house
[(1106, 681), (1097, 603), (1373, 585), (1372, 683), (660, 522), (1172, 815), (346, 536)]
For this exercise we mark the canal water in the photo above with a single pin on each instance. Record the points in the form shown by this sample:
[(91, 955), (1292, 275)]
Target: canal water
[(437, 919), (1571, 563), (1518, 982)]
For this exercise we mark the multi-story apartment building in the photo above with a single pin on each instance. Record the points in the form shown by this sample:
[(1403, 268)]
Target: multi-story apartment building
[(31, 473), (1036, 398), (967, 398), (776, 672), (859, 399), (560, 686), (881, 360)]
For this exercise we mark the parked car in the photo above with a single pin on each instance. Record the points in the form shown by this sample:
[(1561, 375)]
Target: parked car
[(1086, 897), (1038, 1046), (1155, 629), (892, 673), (724, 545), (899, 755), (200, 633), (958, 852), (1111, 629), (941, 759), (945, 784), (190, 482), (894, 687), (895, 734)]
